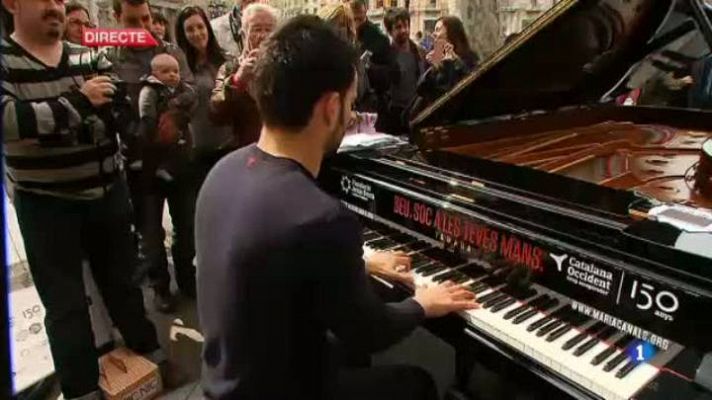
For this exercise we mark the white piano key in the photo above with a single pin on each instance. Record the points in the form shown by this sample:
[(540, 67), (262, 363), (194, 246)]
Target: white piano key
[(550, 354)]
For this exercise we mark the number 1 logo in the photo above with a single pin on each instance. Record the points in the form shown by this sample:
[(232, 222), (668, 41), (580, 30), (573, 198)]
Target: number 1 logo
[(641, 351)]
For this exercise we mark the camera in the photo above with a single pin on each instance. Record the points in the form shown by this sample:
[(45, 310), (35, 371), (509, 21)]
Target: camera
[(121, 92), (118, 113)]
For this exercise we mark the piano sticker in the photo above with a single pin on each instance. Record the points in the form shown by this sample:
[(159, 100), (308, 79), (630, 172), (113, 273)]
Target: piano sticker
[(584, 273), (457, 230), (356, 188), (621, 325)]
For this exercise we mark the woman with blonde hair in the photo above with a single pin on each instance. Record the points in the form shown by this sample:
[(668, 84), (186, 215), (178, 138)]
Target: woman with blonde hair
[(341, 18)]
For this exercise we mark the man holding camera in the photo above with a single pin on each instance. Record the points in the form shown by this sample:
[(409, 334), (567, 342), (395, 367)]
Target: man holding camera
[(71, 203)]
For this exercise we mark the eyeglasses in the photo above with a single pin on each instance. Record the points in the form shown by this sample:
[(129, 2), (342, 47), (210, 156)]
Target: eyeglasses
[(82, 23)]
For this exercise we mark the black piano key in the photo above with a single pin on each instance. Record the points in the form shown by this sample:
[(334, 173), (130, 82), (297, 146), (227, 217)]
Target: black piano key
[(473, 271), (559, 333), (602, 356), (420, 265), (493, 280), (615, 361), (592, 330), (623, 372), (547, 319), (558, 321), (502, 273), (487, 297), (401, 238), (429, 267), (521, 294), (503, 304), (381, 244), (445, 257), (511, 298), (491, 302), (550, 327), (370, 235), (452, 276), (575, 321), (584, 348), (437, 268), (419, 268), (532, 311), (525, 316), (534, 303), (502, 299), (419, 258), (479, 288), (591, 343), (417, 246), (444, 277)]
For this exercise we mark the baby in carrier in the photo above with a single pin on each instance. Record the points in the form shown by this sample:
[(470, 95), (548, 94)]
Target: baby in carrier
[(165, 106)]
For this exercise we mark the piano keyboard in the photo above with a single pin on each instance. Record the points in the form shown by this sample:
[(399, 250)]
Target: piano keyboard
[(535, 320)]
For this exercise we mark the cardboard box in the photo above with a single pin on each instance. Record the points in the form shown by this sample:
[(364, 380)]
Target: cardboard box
[(128, 376)]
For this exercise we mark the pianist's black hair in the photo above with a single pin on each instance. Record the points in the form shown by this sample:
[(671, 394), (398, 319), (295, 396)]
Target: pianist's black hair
[(303, 60)]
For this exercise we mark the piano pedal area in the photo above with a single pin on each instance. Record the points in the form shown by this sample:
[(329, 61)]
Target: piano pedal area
[(537, 327)]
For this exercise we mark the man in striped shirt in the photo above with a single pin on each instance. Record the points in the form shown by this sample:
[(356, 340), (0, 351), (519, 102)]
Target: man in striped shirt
[(71, 203)]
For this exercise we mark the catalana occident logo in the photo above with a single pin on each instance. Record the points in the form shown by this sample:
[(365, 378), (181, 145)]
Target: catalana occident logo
[(559, 260), (130, 37), (584, 273), (346, 184)]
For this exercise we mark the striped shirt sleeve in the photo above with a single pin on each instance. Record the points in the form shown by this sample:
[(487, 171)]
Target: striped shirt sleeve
[(47, 120)]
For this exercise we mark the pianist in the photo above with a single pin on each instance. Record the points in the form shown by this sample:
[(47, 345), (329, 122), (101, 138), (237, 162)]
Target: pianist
[(279, 260)]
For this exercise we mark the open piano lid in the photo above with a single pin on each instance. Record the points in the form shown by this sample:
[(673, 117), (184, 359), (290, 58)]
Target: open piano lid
[(573, 54)]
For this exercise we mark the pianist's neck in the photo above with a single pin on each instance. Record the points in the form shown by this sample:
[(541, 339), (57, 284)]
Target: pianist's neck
[(304, 147)]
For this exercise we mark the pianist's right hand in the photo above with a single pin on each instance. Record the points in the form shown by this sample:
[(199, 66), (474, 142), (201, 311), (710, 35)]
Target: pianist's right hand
[(440, 300)]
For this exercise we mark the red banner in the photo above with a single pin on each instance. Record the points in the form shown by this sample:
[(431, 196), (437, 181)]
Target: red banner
[(464, 231), (118, 37)]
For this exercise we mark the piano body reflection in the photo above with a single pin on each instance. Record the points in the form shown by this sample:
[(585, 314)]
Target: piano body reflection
[(524, 172)]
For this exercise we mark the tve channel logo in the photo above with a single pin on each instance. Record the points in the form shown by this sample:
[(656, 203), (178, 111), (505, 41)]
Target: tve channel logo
[(641, 351)]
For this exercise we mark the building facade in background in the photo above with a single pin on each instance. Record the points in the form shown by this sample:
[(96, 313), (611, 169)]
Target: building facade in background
[(102, 11), (515, 15), (487, 22)]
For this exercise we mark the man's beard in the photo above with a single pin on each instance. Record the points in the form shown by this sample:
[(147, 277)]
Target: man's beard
[(337, 135)]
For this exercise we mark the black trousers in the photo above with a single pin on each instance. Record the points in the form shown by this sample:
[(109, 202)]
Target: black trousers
[(358, 379), (58, 235), (180, 195), (388, 382)]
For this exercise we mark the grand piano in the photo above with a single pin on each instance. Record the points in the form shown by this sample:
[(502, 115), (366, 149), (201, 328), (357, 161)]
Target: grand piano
[(584, 227)]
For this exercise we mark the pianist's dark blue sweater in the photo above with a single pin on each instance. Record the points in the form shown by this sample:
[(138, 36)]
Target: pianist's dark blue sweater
[(279, 265)]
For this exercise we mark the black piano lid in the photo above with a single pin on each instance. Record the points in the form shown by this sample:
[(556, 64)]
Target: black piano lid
[(574, 54), (556, 73)]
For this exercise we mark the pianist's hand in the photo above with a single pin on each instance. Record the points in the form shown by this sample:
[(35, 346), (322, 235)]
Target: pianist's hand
[(390, 265), (440, 300)]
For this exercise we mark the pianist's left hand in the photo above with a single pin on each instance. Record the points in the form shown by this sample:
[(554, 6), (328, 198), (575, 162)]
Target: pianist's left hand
[(390, 265)]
